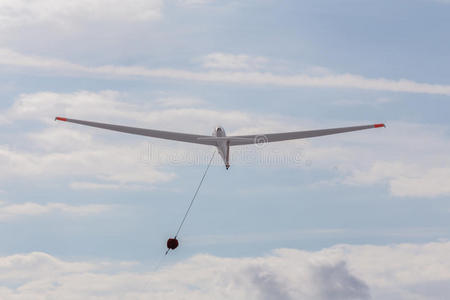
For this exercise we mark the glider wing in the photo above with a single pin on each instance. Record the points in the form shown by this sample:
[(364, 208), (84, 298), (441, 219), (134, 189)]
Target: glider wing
[(278, 137), (168, 135)]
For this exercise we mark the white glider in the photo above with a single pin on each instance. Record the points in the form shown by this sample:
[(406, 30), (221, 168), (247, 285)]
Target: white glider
[(219, 138)]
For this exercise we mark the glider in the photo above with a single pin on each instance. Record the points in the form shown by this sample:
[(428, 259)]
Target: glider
[(218, 138)]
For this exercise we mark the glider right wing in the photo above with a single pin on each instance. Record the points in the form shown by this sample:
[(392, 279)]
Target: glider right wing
[(284, 136)]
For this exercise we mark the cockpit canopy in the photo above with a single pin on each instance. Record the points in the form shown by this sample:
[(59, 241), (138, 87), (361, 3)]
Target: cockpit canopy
[(219, 131)]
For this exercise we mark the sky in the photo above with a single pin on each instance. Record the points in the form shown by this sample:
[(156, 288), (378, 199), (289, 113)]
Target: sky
[(85, 213)]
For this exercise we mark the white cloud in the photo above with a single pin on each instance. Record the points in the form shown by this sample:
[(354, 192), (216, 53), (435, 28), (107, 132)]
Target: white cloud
[(357, 102), (400, 272), (434, 182), (180, 102), (80, 185), (30, 266), (109, 162), (410, 159), (108, 105), (14, 211), (408, 180), (45, 106), (318, 70), (21, 12), (14, 59), (233, 61), (194, 2)]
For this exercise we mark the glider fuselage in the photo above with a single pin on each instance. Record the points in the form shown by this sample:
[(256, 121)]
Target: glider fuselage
[(223, 146)]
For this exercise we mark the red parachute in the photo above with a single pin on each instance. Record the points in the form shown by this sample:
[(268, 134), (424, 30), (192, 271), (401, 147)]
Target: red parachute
[(172, 244)]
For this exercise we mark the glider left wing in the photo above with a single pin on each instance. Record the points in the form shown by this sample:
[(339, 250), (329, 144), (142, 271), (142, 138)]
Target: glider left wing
[(168, 135)]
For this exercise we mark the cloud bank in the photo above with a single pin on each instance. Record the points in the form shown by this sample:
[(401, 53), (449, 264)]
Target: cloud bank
[(405, 271), (22, 12), (220, 60), (14, 211), (14, 59)]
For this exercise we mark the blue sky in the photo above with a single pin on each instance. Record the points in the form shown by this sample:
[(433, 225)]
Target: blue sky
[(83, 202)]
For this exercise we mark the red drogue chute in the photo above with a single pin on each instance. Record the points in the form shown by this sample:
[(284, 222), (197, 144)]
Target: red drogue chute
[(172, 244)]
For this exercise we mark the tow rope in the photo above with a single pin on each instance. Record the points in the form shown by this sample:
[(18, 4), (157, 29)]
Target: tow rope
[(172, 243)]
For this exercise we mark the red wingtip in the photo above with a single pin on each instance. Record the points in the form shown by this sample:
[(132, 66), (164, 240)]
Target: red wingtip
[(379, 125), (61, 119)]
